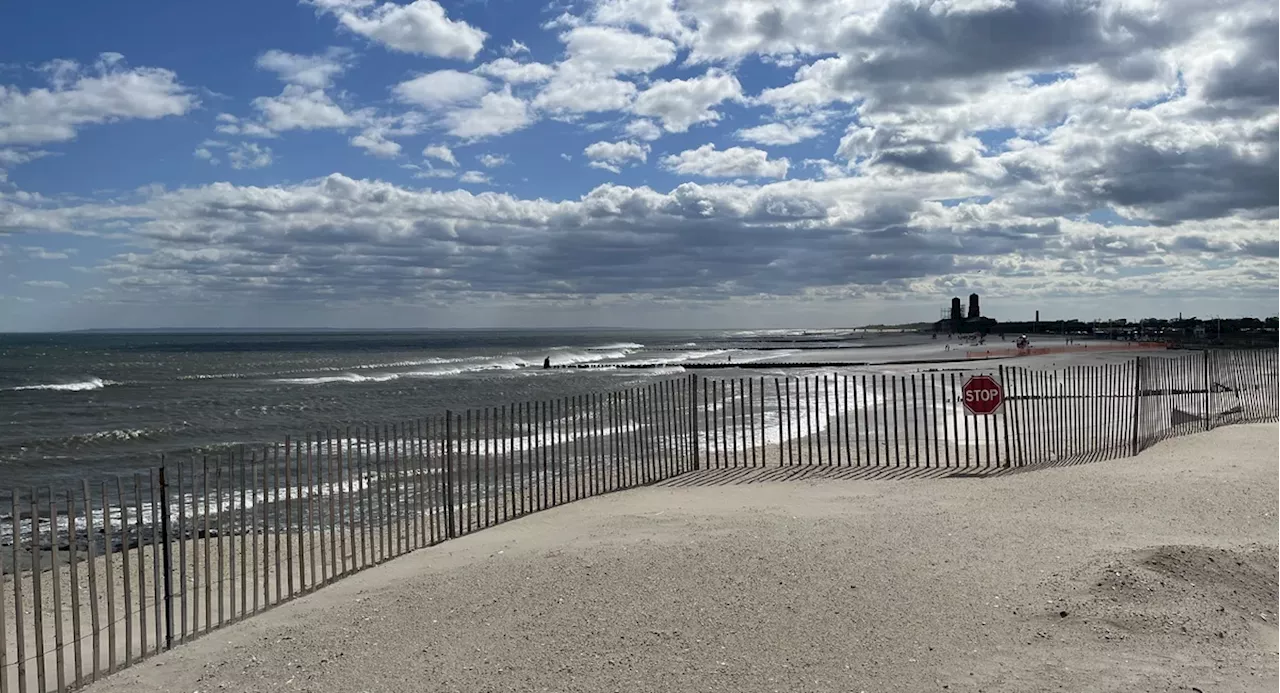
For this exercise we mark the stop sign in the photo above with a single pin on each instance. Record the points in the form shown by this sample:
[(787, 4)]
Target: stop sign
[(982, 395)]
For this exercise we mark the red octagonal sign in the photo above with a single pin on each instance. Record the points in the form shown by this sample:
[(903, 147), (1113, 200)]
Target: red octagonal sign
[(982, 395)]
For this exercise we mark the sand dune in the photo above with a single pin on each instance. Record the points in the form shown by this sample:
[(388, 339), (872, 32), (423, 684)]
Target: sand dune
[(1155, 573)]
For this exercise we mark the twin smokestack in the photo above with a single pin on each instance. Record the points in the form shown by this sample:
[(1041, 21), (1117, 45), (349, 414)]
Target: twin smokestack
[(957, 309)]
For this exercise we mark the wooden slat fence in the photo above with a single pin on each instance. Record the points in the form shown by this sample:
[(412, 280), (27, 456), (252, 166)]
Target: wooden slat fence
[(102, 575)]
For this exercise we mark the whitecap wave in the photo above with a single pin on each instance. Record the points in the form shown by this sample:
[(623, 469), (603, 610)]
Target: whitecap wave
[(616, 347), (343, 378), (568, 356), (115, 435), (445, 368), (664, 370), (78, 386), (679, 356)]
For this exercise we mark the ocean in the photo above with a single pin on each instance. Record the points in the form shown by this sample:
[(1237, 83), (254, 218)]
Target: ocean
[(78, 405)]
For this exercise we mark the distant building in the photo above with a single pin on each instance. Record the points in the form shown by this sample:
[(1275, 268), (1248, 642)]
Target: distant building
[(973, 307), (957, 310)]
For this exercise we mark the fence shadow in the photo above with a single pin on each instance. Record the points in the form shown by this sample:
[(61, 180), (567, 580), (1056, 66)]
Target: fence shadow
[(766, 475)]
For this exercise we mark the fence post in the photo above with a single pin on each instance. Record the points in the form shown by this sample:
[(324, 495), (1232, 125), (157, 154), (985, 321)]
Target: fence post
[(450, 531), (693, 415), (1008, 454), (1275, 373), (1137, 399), (1208, 389), (167, 552)]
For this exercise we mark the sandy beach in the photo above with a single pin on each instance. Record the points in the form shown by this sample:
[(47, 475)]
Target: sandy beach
[(1155, 573)]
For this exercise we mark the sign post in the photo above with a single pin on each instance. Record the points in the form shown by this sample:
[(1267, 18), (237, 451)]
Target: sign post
[(982, 395)]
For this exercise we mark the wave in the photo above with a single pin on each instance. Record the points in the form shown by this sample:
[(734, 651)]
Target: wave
[(619, 345), (78, 386), (663, 370), (679, 357), (320, 369), (343, 378), (446, 368), (112, 436), (566, 356)]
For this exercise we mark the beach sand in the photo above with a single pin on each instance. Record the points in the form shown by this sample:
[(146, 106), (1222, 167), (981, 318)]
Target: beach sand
[(1154, 573)]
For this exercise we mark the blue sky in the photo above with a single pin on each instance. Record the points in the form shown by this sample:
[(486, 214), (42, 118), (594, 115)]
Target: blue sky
[(647, 162)]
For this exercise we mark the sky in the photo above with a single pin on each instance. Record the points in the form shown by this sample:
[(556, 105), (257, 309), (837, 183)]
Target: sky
[(646, 163)]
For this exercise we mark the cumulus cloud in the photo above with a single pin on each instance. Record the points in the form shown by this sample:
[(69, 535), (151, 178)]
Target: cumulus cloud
[(442, 88), (610, 51), (80, 95), (611, 156), (778, 134), (643, 129), (46, 284), (1022, 149), (440, 152), (420, 27), (513, 72), (375, 143), (299, 108), (492, 160), (240, 155), (874, 236), (682, 103), (38, 253), (734, 162), (497, 113), (571, 93), (311, 71)]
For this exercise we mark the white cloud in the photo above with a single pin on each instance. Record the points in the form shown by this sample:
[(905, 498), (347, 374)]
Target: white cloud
[(376, 143), (241, 155), (492, 160), (515, 48), (778, 133), (205, 153), (298, 108), (442, 88), (311, 71), (46, 284), (38, 253), (681, 103), (568, 93), (498, 113), (611, 156), (13, 157), (229, 124), (440, 152), (598, 50), (79, 96), (420, 27), (249, 155), (513, 72), (643, 129), (734, 162), (659, 17), (473, 177), (961, 167)]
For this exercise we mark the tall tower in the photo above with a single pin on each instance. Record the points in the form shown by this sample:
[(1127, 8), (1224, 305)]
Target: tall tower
[(957, 310), (973, 306)]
